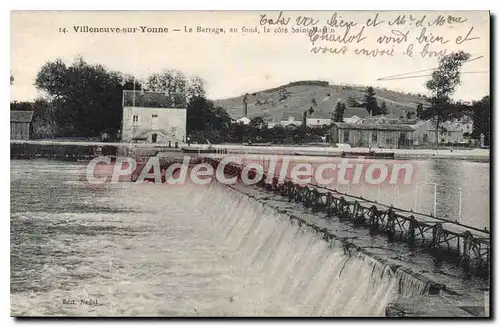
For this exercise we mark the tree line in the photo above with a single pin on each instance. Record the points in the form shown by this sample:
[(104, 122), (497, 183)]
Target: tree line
[(85, 100)]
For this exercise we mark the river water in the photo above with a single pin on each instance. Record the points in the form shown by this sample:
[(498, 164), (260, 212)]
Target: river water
[(150, 250), (460, 189)]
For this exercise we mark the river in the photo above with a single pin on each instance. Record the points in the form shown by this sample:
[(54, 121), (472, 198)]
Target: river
[(459, 188), (155, 250)]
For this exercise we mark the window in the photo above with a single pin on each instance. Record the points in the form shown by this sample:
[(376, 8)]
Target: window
[(135, 120), (154, 120), (374, 136), (346, 136)]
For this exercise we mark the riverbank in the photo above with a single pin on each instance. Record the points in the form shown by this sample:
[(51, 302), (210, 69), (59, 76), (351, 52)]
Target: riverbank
[(81, 149), (331, 151)]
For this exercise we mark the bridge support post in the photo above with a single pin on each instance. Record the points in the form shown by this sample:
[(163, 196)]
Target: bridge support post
[(391, 225), (411, 231), (466, 259)]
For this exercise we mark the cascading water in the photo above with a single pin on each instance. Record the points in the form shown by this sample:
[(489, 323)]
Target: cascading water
[(309, 275), (192, 250)]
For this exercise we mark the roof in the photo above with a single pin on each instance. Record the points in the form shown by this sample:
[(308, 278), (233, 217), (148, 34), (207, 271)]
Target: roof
[(153, 99), (430, 125), (382, 119), (353, 111), (287, 114), (244, 120), (320, 114), (21, 116), (385, 127)]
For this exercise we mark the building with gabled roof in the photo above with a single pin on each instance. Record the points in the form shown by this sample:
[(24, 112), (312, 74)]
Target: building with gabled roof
[(319, 118), (20, 125), (153, 117), (372, 135)]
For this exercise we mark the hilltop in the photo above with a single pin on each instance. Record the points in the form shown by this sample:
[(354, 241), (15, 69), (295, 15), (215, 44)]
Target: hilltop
[(295, 97)]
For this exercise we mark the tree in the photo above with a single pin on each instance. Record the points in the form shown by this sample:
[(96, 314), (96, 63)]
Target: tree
[(371, 104), (420, 111), (481, 117), (196, 87), (238, 132), (198, 113), (383, 108), (171, 81), (52, 78), (21, 106), (245, 104), (304, 118), (338, 115), (205, 121), (129, 82), (44, 124), (282, 94), (442, 85), (86, 99), (258, 122), (162, 82), (300, 133), (351, 102)]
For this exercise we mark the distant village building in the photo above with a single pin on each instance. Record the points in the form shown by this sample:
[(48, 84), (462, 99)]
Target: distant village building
[(318, 118), (381, 119), (20, 122), (466, 125), (448, 132), (243, 120), (372, 135), (353, 120), (353, 115), (153, 117), (290, 119), (271, 123)]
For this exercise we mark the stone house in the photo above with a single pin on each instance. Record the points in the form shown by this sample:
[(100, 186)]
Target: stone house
[(153, 117)]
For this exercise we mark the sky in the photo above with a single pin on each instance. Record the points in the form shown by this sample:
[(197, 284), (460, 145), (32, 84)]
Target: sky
[(239, 62)]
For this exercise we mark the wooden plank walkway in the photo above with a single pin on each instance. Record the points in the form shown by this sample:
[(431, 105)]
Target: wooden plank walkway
[(446, 240)]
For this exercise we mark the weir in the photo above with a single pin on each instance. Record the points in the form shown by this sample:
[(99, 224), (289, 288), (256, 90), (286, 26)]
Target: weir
[(309, 270), (445, 240), (319, 270)]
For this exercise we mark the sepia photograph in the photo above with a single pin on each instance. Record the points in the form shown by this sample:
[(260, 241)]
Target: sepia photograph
[(250, 164)]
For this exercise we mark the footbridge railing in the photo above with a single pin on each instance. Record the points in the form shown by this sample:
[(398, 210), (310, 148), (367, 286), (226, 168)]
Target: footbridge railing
[(446, 240)]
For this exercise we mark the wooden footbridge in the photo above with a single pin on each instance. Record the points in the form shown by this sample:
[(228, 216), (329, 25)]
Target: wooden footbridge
[(446, 240)]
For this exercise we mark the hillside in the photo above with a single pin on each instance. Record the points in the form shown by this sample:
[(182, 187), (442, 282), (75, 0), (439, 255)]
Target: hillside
[(296, 97)]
